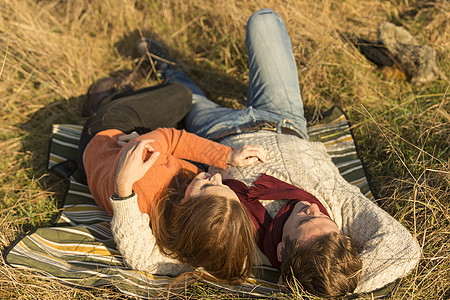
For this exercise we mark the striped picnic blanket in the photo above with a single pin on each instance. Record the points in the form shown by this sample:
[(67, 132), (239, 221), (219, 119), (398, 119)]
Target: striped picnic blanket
[(79, 248)]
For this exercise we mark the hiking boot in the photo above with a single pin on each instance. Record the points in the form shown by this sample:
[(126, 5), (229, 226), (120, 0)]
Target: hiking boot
[(102, 91), (155, 56)]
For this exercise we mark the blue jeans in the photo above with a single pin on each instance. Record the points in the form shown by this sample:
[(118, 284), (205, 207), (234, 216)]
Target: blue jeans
[(273, 93)]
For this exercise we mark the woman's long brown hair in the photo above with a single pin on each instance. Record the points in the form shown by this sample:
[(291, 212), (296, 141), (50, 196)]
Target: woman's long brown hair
[(211, 232)]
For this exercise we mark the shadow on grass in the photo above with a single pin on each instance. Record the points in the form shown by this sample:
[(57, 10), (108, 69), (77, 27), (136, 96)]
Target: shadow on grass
[(217, 84)]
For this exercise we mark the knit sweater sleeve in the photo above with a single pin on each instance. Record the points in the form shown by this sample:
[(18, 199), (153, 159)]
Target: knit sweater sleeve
[(136, 243), (387, 249)]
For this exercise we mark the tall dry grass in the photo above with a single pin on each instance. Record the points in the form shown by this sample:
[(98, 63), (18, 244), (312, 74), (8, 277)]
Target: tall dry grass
[(51, 51)]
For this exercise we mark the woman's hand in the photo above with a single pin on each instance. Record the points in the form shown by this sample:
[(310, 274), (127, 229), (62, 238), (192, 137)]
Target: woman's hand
[(132, 166), (247, 155), (124, 139)]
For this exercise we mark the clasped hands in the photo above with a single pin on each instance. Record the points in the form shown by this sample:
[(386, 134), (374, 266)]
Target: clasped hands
[(132, 165)]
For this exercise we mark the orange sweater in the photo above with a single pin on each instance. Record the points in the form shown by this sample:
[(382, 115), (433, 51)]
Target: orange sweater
[(175, 146)]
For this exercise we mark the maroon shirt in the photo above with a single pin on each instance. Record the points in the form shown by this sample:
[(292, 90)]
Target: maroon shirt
[(270, 231)]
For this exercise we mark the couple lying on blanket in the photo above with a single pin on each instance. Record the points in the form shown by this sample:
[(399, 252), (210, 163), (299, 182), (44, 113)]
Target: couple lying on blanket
[(269, 193)]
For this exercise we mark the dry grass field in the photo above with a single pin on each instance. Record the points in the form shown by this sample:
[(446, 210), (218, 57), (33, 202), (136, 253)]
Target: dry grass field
[(52, 50)]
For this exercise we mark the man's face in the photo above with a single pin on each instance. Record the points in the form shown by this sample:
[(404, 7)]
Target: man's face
[(305, 223)]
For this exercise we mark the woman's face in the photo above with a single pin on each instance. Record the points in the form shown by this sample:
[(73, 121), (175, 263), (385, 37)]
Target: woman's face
[(204, 184)]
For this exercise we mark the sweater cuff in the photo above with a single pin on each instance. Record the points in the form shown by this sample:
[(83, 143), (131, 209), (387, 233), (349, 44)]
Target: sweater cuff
[(223, 157), (127, 208), (115, 197)]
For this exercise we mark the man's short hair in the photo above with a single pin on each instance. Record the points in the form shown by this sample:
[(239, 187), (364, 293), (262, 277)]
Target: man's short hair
[(326, 266)]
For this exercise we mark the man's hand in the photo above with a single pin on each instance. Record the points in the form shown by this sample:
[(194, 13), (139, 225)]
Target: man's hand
[(124, 139), (247, 155), (132, 166)]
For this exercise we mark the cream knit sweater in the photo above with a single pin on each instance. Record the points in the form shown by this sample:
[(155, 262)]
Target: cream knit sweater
[(387, 249), (135, 240)]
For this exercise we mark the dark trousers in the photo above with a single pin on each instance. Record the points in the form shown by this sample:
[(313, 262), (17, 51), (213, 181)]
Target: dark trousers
[(142, 111)]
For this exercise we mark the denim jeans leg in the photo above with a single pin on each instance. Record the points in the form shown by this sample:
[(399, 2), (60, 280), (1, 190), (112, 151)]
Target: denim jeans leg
[(273, 79), (205, 116), (176, 75)]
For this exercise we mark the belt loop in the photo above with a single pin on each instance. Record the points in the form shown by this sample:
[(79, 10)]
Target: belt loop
[(288, 124), (251, 112), (237, 129), (279, 126)]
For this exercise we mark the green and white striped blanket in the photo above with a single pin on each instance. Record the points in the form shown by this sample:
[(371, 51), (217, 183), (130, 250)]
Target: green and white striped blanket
[(79, 248)]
